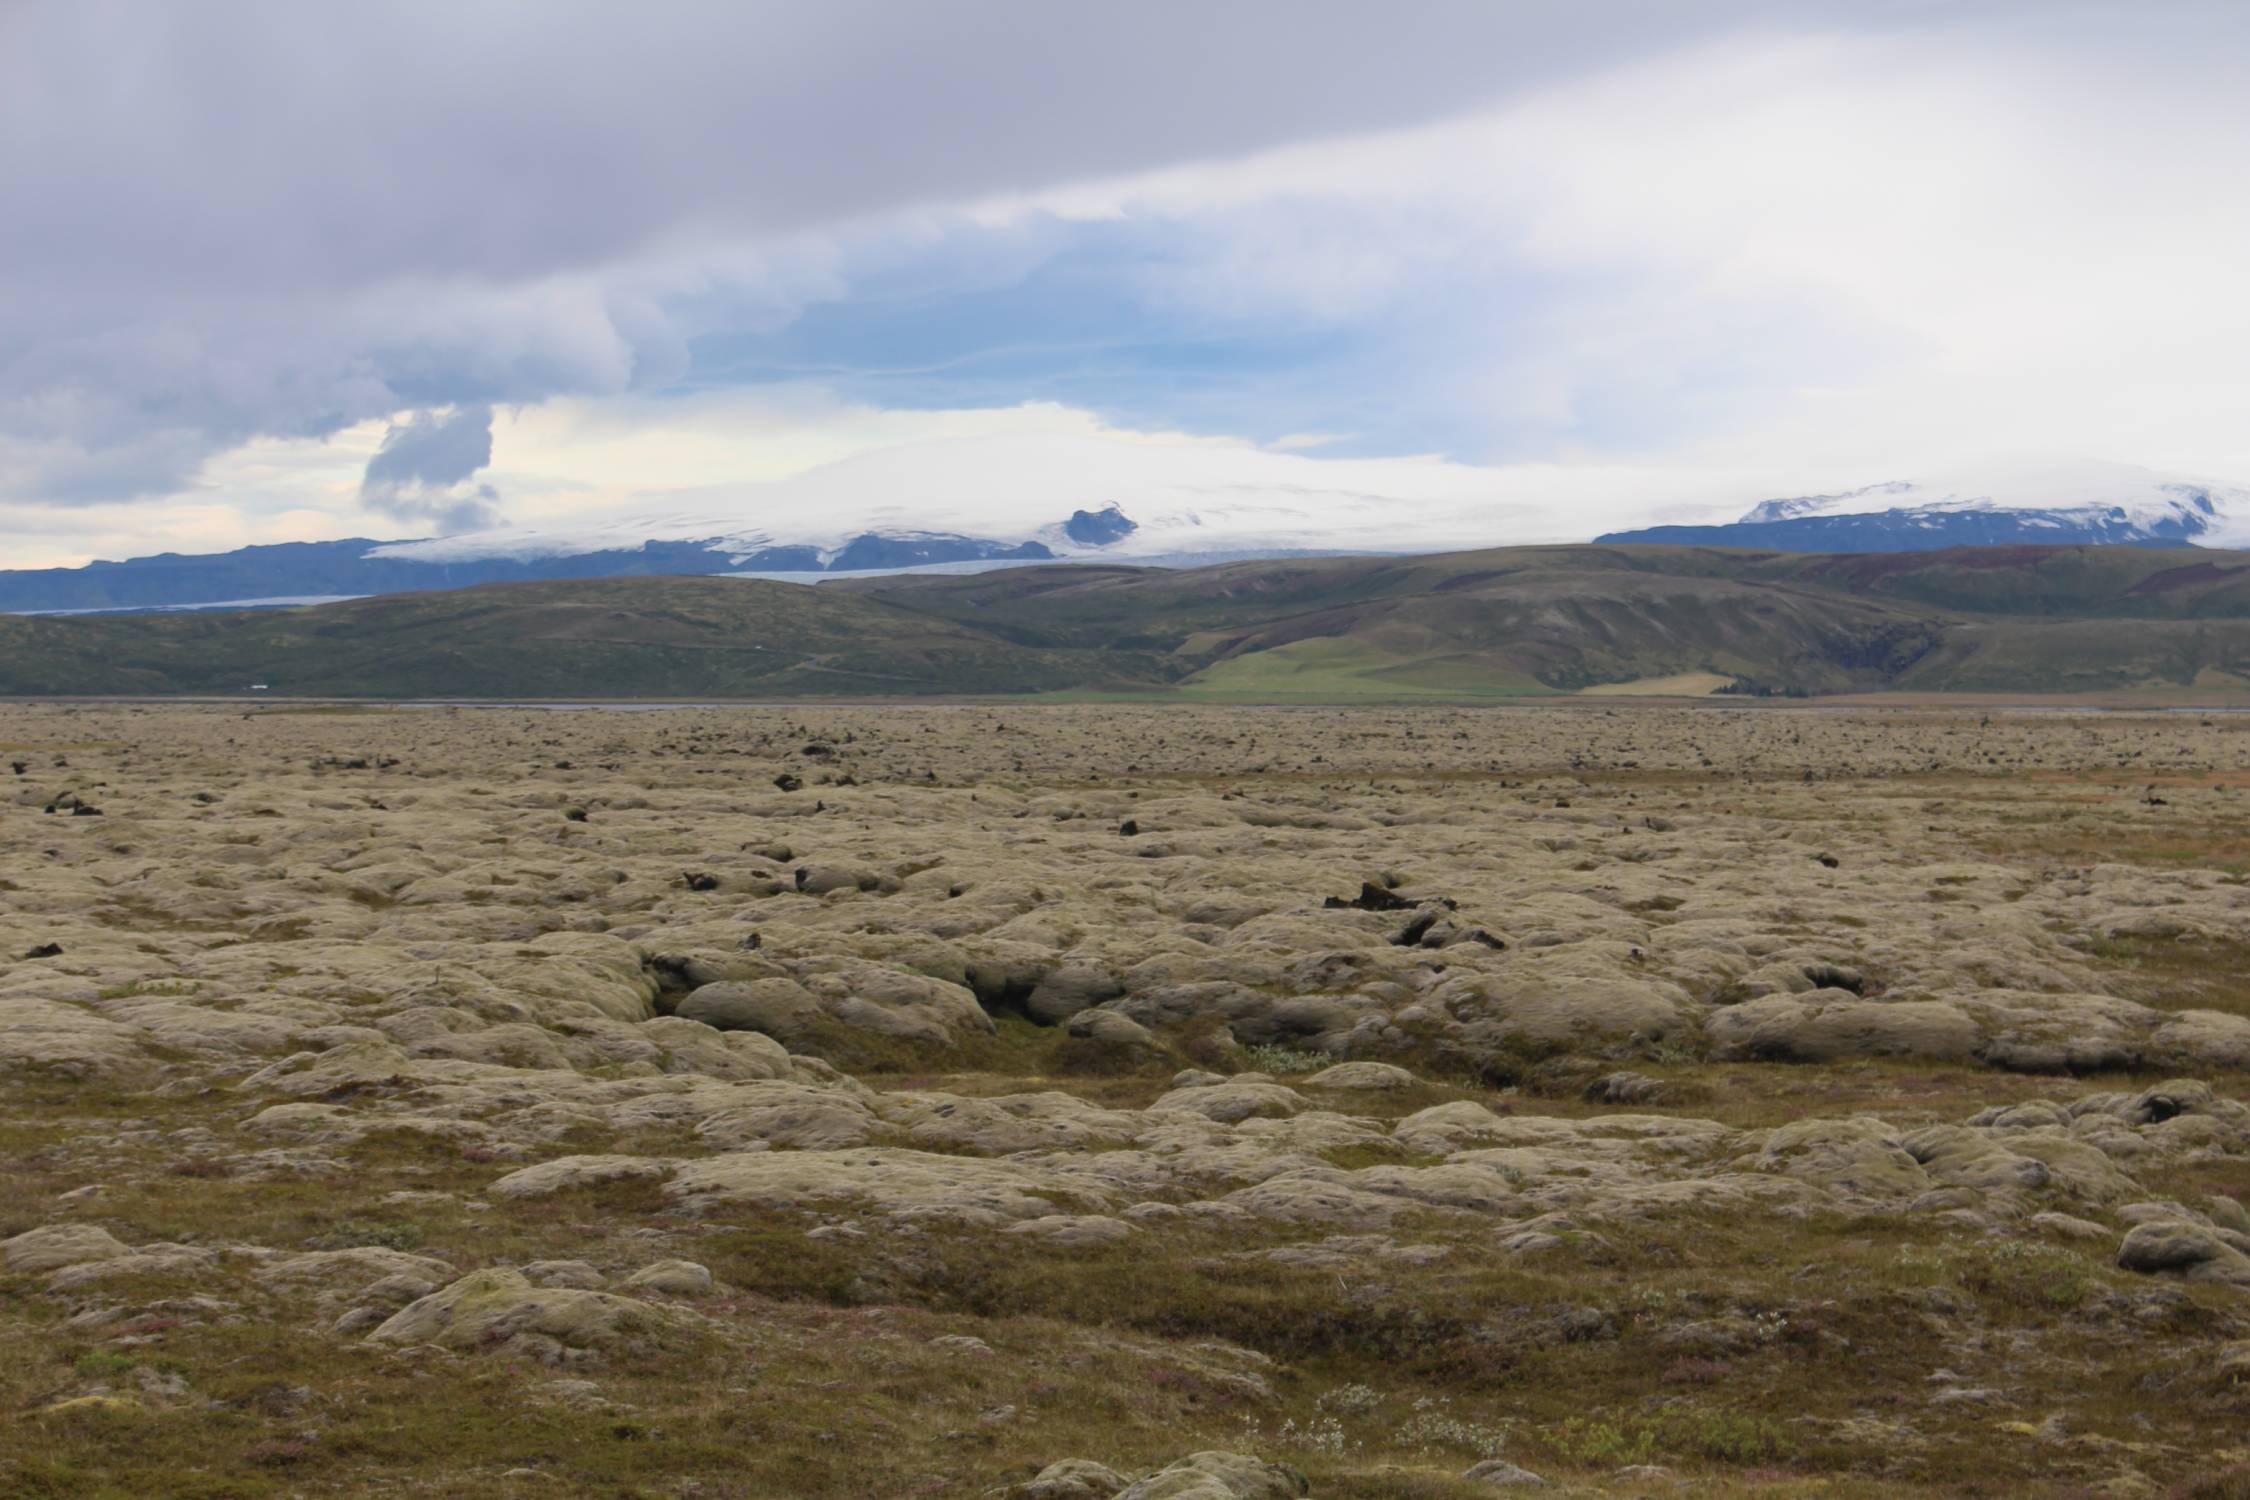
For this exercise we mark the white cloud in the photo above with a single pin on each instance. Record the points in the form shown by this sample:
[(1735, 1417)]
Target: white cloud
[(836, 471), (1842, 246), (1819, 241), (237, 221)]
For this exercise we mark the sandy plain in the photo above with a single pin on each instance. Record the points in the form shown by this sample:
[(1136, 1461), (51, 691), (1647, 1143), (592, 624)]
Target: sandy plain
[(1183, 1103)]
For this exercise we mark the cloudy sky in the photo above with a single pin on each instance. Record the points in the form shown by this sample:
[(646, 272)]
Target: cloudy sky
[(281, 271)]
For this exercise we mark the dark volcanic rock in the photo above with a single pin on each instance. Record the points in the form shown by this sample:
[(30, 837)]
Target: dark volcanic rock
[(1099, 528)]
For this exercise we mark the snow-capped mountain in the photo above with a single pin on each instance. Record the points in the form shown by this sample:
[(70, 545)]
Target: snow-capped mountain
[(1185, 498), (969, 501), (2037, 503), (1866, 497), (965, 504)]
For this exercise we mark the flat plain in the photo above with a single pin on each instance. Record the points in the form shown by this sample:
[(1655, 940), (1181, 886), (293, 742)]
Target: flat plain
[(1187, 1103)]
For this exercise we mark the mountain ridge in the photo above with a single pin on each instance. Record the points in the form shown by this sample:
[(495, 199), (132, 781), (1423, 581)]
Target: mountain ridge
[(879, 513)]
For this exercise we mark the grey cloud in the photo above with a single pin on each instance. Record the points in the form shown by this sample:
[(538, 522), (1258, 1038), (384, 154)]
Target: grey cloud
[(433, 448), (448, 512), (237, 219), (325, 146), (423, 468)]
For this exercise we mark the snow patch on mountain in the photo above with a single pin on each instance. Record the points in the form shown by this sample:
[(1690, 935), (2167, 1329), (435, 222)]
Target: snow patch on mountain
[(1995, 504), (1073, 497), (2052, 495), (1183, 496), (1069, 496), (1866, 497)]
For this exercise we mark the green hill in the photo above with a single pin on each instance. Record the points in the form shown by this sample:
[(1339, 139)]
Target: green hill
[(640, 637), (1461, 625), (1561, 619)]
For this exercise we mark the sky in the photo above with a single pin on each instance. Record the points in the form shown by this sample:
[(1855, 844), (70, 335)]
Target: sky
[(285, 272)]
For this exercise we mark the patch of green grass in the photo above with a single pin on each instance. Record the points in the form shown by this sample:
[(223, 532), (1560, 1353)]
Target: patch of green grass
[(2184, 973), (354, 1234), (2231, 1483), (1329, 669), (2030, 1274), (1731, 1437)]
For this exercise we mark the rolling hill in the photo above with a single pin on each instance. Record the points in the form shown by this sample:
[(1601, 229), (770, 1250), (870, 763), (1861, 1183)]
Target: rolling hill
[(1537, 620), (620, 637)]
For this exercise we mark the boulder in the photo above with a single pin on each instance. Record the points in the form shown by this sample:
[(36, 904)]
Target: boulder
[(1219, 1476), (56, 1039), (578, 1274), (53, 1246), (356, 1263), (1829, 1025), (1234, 1100), (1072, 1479), (1858, 1158), (1498, 1473), (1105, 1041), (2069, 1225), (1626, 1088), (1074, 1231), (502, 1309), (819, 880), (146, 1260), (911, 1184), (1573, 1010), (674, 1278), (792, 1116), (779, 1008), (1361, 1075), (1063, 992), (567, 1172), (2204, 1040), (2176, 1247)]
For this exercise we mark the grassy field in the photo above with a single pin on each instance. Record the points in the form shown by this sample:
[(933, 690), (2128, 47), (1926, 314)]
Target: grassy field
[(1337, 670)]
